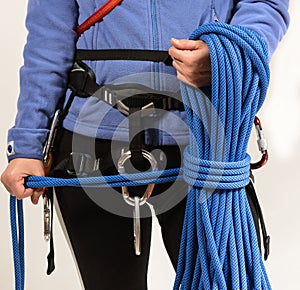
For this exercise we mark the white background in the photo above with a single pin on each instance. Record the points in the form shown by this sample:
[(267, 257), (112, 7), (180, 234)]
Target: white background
[(277, 183)]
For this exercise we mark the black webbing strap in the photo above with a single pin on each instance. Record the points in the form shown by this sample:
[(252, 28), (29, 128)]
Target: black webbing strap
[(136, 136), (82, 83), (258, 218), (124, 54), (50, 257)]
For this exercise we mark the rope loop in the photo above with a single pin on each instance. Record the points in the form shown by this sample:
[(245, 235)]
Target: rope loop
[(214, 175)]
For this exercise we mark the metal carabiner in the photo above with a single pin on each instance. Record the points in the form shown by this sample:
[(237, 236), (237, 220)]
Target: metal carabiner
[(48, 148), (137, 226), (47, 216), (136, 201), (121, 169), (262, 145)]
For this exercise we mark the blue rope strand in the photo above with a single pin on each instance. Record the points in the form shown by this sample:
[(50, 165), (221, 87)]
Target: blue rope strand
[(134, 179), (21, 240), (17, 234)]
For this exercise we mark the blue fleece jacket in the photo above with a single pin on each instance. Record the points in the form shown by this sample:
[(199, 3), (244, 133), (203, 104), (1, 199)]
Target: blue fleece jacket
[(135, 24)]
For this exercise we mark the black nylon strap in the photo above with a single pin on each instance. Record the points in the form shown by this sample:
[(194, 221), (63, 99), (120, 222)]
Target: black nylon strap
[(258, 216), (50, 257), (136, 136), (83, 84), (124, 54)]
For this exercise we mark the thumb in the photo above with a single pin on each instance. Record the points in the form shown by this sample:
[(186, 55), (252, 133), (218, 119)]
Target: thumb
[(37, 192), (184, 44)]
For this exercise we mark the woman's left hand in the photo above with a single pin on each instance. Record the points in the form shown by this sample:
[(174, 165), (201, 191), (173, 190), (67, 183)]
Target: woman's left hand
[(191, 59)]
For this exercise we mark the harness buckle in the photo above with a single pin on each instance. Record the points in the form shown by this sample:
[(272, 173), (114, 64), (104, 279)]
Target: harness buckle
[(81, 164), (145, 110), (81, 75), (122, 108)]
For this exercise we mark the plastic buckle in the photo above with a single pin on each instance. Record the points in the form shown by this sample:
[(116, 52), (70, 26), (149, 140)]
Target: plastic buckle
[(81, 164), (79, 76)]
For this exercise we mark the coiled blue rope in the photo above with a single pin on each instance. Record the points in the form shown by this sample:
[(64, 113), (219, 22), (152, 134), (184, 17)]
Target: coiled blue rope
[(219, 248)]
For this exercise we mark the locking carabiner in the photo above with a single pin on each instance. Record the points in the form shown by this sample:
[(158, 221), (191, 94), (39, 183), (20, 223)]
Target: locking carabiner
[(121, 169), (137, 201), (262, 145)]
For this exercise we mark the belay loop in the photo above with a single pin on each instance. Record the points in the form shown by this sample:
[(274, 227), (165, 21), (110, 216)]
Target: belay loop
[(219, 248)]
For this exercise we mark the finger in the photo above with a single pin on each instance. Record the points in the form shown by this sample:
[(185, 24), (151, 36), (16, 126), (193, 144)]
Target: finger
[(182, 78), (14, 187), (183, 72), (185, 44), (199, 80), (187, 57), (176, 54), (27, 192), (177, 64), (36, 195)]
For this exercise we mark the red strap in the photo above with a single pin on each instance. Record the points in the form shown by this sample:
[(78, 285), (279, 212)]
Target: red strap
[(98, 15)]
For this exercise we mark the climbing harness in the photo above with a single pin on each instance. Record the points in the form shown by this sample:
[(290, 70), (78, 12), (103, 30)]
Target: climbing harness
[(219, 248)]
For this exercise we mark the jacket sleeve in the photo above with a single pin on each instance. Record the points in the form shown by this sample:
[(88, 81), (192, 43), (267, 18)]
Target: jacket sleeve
[(269, 18), (48, 56)]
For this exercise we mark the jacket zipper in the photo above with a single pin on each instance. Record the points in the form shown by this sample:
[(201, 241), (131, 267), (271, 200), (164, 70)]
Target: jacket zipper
[(155, 40), (214, 14)]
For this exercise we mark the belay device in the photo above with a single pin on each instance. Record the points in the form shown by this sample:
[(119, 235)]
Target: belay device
[(219, 248)]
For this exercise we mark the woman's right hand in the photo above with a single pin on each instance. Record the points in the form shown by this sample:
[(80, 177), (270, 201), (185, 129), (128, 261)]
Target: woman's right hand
[(14, 174)]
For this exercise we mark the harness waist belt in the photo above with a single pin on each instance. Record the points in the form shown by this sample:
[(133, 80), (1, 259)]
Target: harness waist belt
[(82, 82), (124, 54)]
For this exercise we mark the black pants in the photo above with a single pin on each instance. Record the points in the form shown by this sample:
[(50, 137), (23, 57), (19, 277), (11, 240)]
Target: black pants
[(100, 225)]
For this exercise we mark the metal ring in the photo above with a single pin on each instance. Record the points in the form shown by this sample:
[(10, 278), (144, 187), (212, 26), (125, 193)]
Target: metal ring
[(121, 169)]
